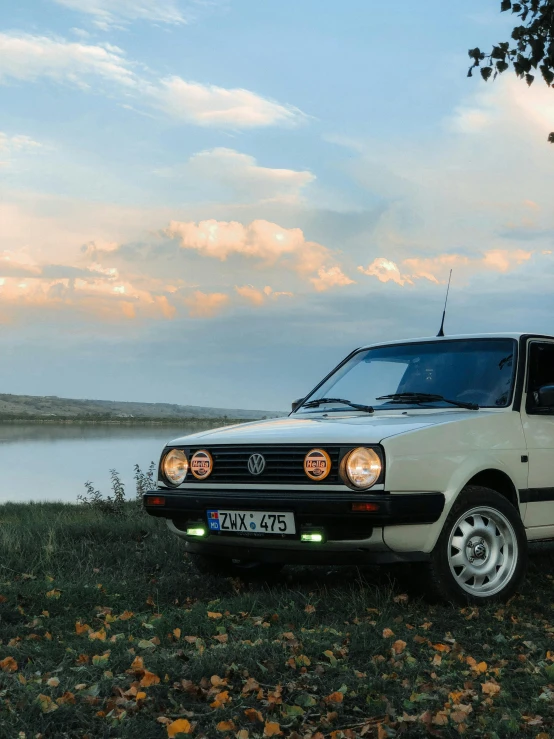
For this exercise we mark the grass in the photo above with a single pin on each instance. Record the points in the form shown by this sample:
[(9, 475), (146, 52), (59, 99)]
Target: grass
[(107, 630)]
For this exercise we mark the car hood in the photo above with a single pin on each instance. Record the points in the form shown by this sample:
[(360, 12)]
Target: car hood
[(319, 430)]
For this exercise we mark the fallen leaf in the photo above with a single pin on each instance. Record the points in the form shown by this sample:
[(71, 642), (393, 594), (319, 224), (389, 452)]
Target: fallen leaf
[(253, 715), (148, 679), (140, 696), (177, 633), (226, 726), (67, 697), (55, 593), (101, 659), (250, 685), (181, 726), (220, 699), (46, 703), (8, 664), (221, 638), (309, 608), (53, 682), (399, 646), (272, 728), (242, 734), (490, 688), (217, 681), (81, 628), (126, 615), (99, 635), (336, 697), (387, 633), (137, 664), (212, 614)]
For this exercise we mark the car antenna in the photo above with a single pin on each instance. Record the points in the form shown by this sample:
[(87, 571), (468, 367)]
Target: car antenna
[(441, 330)]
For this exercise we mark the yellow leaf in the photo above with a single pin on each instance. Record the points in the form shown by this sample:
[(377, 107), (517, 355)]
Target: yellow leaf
[(99, 635), (81, 628), (242, 734), (217, 681), (137, 664), (437, 659), (55, 593), (212, 614), (220, 699), (140, 696), (481, 667), (101, 659), (250, 685), (46, 703), (67, 697), (226, 726), (272, 728), (177, 633), (148, 679), (126, 615), (387, 633), (8, 664), (490, 688), (253, 715), (335, 697), (181, 726), (221, 638), (399, 646)]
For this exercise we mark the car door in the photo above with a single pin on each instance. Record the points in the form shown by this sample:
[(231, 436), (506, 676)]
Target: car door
[(538, 426)]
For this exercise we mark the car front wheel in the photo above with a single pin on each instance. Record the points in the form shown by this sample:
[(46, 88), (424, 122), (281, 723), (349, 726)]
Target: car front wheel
[(481, 554)]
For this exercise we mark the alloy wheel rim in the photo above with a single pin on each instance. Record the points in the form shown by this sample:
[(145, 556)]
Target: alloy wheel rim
[(482, 551)]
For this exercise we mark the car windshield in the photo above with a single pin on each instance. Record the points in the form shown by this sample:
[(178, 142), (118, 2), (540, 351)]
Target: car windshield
[(468, 371)]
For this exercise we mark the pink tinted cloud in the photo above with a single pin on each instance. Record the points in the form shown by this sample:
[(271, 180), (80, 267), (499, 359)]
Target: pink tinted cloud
[(206, 305)]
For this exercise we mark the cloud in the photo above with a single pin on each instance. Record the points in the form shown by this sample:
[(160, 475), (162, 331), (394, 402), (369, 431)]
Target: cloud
[(210, 105), (11, 144), (262, 240), (30, 58), (206, 305), (384, 270), (242, 176), (436, 269), (108, 12), (259, 297), (27, 57), (328, 277)]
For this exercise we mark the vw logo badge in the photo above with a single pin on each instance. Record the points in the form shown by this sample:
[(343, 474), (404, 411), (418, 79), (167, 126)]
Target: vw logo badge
[(256, 464)]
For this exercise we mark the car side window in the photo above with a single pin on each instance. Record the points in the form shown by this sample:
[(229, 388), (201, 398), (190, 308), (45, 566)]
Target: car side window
[(541, 374)]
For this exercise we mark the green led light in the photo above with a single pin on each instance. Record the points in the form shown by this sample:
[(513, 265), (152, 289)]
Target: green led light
[(313, 537), (196, 531)]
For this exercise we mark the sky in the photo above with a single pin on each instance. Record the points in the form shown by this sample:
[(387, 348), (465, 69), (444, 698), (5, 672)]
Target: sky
[(212, 202)]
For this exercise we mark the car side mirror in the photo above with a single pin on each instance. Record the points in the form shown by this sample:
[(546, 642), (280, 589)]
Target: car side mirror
[(546, 396), (296, 403)]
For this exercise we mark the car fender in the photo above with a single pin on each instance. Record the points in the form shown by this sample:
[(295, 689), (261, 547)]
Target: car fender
[(445, 459)]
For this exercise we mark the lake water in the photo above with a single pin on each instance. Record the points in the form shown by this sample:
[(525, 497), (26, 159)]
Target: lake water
[(51, 462)]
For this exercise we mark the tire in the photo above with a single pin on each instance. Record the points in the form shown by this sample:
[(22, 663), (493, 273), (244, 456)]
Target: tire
[(223, 567), (481, 554)]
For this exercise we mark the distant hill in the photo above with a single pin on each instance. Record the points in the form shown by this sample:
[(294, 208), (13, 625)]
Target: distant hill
[(51, 408)]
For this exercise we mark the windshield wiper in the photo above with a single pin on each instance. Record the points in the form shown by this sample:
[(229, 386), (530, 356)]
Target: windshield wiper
[(418, 398), (322, 401)]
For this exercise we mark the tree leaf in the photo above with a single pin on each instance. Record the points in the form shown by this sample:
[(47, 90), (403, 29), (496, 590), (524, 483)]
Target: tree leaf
[(181, 726)]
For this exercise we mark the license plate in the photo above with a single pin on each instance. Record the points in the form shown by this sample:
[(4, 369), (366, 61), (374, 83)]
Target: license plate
[(251, 522)]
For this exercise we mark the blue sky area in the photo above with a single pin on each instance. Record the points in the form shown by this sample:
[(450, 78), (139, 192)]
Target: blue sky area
[(212, 201)]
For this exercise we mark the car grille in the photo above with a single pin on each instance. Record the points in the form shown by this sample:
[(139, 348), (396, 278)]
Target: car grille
[(283, 464)]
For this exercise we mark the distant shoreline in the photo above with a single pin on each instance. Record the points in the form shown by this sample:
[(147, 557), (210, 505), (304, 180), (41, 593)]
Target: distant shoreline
[(127, 421)]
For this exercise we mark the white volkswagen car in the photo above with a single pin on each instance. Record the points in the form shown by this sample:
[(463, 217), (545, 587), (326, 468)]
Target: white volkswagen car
[(435, 451)]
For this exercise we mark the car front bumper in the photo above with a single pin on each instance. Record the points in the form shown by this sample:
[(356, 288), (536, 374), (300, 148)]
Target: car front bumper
[(350, 536)]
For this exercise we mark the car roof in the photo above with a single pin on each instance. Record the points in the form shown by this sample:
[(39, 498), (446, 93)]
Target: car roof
[(501, 335)]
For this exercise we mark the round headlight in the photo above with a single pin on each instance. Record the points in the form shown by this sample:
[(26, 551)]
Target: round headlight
[(362, 467), (175, 466)]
